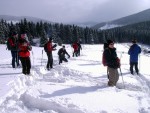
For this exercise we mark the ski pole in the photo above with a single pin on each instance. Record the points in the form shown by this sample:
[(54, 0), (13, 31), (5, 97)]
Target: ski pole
[(122, 77), (42, 58), (139, 63), (33, 58), (17, 58), (121, 71), (107, 73)]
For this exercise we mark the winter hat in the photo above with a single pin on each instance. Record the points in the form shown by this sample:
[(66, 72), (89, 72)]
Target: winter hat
[(134, 41), (109, 42), (14, 33), (50, 39)]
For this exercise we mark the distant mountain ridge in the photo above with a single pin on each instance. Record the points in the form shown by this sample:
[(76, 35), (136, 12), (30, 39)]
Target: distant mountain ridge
[(131, 19), (84, 24), (18, 18)]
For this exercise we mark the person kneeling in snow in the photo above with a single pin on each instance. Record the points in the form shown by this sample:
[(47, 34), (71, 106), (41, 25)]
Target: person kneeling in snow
[(62, 51)]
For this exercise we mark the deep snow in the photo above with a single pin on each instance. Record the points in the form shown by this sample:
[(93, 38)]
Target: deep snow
[(79, 86)]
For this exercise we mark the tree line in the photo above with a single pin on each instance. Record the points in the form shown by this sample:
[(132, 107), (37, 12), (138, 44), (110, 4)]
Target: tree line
[(139, 31), (59, 32), (62, 33)]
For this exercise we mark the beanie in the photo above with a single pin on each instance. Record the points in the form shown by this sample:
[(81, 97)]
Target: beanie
[(134, 41), (50, 39), (14, 33), (109, 42)]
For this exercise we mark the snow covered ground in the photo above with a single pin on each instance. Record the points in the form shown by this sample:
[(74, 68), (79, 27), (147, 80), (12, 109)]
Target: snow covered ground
[(79, 86)]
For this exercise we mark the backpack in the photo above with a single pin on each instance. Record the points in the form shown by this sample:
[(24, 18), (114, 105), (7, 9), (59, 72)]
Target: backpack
[(104, 60), (105, 45), (45, 47), (103, 56), (8, 45)]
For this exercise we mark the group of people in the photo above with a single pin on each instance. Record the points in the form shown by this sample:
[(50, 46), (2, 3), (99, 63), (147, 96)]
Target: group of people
[(111, 60), (20, 50), (20, 47), (76, 48), (62, 52)]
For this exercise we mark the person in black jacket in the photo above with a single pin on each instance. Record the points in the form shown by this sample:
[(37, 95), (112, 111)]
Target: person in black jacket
[(79, 48), (112, 63), (62, 51)]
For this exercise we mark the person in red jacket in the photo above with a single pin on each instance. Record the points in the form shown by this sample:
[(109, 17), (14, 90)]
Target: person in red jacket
[(24, 53), (75, 47), (48, 50), (13, 43)]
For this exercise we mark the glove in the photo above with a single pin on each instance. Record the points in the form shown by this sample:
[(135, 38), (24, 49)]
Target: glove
[(55, 45), (118, 62)]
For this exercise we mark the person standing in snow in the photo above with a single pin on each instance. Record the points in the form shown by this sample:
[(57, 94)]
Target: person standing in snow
[(48, 49), (112, 63), (75, 49), (62, 51), (24, 53), (13, 47), (134, 51), (79, 48)]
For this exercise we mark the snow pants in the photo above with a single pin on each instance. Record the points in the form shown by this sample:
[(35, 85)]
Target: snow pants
[(15, 58), (62, 58), (26, 65), (132, 64), (75, 53), (50, 60), (113, 76)]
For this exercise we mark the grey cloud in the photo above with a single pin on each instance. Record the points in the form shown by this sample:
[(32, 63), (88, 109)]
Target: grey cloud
[(73, 10)]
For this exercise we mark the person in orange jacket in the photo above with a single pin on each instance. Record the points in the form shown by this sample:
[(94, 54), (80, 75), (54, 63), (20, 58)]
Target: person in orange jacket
[(24, 53)]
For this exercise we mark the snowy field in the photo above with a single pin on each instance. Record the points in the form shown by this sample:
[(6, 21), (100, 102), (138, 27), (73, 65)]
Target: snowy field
[(79, 86)]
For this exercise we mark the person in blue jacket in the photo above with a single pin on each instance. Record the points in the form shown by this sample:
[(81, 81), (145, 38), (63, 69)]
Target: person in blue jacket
[(134, 51)]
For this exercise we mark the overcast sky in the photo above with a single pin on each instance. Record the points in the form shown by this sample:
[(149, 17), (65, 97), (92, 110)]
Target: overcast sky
[(73, 10)]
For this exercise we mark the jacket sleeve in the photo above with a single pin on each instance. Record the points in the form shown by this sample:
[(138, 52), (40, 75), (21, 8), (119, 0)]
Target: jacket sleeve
[(67, 53), (129, 52), (11, 42), (59, 52), (29, 47)]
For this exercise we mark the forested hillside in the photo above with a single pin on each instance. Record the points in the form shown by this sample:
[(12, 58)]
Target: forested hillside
[(139, 31), (42, 30), (69, 33)]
